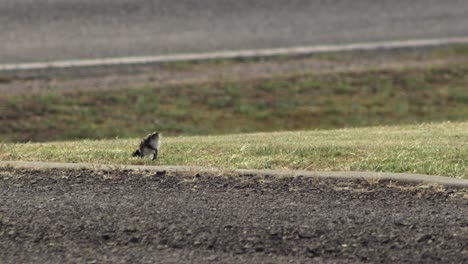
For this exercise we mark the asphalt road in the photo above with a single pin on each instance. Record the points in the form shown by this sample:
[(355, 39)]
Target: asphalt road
[(114, 217), (32, 30)]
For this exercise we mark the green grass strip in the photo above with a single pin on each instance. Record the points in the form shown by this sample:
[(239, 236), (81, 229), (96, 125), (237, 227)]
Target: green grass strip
[(335, 100), (435, 149)]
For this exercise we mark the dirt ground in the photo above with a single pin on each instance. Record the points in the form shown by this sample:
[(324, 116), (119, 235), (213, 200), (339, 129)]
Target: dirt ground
[(84, 216)]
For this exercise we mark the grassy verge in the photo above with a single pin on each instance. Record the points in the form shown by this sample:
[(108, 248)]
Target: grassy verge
[(335, 100), (436, 149)]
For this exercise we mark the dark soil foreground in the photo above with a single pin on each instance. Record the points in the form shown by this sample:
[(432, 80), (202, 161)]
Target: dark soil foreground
[(94, 217)]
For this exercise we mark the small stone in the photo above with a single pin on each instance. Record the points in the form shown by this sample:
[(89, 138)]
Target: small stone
[(423, 238), (259, 249), (313, 251), (133, 240), (211, 258), (305, 232)]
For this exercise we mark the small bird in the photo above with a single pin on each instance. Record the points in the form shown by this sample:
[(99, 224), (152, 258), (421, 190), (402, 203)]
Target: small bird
[(149, 146)]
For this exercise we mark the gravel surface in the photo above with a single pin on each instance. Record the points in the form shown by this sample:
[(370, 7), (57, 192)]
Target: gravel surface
[(88, 216), (45, 30)]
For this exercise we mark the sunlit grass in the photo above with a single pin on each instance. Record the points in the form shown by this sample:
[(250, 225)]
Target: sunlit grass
[(436, 149)]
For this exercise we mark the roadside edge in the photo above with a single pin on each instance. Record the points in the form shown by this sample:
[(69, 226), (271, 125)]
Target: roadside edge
[(371, 176)]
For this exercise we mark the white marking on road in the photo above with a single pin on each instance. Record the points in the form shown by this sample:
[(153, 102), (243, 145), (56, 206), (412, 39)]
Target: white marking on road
[(302, 50)]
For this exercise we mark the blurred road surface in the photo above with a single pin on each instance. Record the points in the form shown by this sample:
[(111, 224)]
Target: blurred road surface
[(32, 30)]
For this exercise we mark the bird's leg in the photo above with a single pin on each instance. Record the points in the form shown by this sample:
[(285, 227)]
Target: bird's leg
[(155, 154)]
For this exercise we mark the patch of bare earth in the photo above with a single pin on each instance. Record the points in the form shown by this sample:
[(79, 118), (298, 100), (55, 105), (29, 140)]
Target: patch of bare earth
[(136, 217)]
